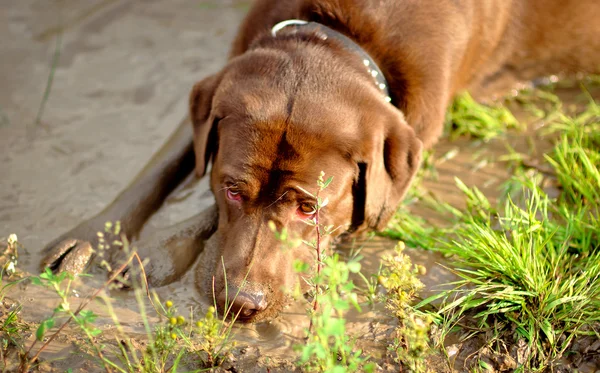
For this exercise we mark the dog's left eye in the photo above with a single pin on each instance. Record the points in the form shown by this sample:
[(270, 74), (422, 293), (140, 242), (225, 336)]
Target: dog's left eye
[(307, 208)]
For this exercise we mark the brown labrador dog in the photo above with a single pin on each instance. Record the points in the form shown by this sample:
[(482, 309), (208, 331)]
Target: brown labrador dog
[(354, 88)]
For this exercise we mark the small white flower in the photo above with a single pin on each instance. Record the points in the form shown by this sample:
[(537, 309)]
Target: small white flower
[(10, 267), (12, 239)]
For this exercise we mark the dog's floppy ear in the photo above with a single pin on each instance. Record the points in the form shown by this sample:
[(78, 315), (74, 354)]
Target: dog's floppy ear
[(205, 133), (393, 158)]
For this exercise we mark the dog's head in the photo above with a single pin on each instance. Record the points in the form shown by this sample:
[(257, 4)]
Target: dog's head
[(270, 122)]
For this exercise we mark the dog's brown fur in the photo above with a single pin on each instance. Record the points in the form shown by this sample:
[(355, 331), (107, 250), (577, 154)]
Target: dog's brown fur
[(284, 108)]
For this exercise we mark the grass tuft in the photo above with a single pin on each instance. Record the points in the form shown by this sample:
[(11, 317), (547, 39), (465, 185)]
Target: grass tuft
[(467, 117), (520, 268), (530, 270)]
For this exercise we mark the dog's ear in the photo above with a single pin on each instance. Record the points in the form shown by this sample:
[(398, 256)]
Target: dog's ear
[(392, 159), (205, 132)]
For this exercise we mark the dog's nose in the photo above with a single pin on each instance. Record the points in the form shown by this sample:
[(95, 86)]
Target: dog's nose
[(240, 304)]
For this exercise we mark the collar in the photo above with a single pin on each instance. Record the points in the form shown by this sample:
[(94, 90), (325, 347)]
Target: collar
[(324, 33)]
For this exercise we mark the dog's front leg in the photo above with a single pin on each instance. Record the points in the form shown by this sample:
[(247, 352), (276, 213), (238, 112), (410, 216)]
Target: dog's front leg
[(168, 167), (171, 251)]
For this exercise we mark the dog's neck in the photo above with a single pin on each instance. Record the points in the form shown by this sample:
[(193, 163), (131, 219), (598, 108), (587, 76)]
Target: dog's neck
[(325, 33)]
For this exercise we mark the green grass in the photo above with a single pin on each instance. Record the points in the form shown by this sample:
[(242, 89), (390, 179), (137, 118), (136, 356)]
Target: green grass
[(528, 269), (411, 229), (466, 117), (523, 268), (576, 156)]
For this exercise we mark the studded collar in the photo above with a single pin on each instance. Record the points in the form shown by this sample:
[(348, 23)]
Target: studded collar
[(325, 32)]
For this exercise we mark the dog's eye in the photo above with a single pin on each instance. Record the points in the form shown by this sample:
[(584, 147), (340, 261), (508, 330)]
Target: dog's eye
[(233, 194), (307, 208)]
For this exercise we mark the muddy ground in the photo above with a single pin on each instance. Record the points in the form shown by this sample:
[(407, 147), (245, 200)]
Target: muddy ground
[(119, 87)]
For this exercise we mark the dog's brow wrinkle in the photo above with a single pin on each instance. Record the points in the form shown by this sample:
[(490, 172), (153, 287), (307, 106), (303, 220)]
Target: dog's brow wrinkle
[(269, 168), (278, 199), (290, 108)]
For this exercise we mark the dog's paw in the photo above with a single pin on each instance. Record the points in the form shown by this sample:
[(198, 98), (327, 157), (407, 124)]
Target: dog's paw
[(73, 251), (68, 255)]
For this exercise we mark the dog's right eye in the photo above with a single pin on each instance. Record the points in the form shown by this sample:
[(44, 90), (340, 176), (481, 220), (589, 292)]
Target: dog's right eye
[(233, 194), (307, 209)]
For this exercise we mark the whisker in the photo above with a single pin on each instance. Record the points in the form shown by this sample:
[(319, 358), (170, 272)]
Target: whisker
[(280, 197), (225, 188)]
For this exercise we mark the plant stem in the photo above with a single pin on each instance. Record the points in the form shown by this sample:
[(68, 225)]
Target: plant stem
[(319, 263), (55, 59)]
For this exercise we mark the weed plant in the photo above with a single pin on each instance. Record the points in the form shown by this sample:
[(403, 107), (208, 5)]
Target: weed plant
[(173, 344), (12, 328), (328, 346), (410, 345)]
